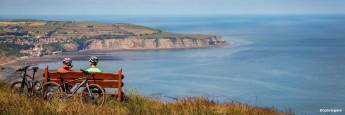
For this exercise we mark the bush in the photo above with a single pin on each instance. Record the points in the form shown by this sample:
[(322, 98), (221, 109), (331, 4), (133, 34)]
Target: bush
[(8, 49)]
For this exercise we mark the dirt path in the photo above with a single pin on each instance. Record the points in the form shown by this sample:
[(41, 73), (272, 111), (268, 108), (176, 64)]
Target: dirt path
[(8, 69), (9, 62)]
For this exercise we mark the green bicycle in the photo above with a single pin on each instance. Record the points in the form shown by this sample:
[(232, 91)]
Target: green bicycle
[(92, 93)]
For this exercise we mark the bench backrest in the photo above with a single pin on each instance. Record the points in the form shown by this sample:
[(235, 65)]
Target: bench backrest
[(106, 80)]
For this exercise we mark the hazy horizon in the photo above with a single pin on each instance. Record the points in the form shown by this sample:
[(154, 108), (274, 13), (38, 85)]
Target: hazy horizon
[(170, 7)]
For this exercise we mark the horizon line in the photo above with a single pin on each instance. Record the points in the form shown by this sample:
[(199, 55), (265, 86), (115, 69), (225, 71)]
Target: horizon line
[(166, 14)]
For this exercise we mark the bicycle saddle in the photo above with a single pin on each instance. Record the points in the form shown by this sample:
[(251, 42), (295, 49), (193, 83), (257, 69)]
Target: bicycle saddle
[(35, 68), (23, 68)]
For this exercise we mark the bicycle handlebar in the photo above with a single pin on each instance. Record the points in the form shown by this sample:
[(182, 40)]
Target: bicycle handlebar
[(26, 68), (84, 71), (23, 68)]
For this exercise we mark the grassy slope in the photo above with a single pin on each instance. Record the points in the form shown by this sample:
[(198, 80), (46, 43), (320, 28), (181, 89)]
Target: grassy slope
[(136, 105)]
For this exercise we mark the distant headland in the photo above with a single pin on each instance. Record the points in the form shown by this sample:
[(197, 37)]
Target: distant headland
[(34, 38)]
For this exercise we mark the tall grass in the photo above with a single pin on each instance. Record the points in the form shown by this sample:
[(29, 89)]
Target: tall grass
[(134, 105)]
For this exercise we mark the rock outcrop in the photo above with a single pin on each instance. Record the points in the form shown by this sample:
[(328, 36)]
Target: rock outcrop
[(23, 36), (136, 42), (70, 47)]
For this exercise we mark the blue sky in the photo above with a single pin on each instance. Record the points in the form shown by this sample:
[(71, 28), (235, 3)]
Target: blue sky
[(170, 7)]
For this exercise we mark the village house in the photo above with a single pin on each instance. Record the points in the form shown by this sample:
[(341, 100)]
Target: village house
[(35, 52)]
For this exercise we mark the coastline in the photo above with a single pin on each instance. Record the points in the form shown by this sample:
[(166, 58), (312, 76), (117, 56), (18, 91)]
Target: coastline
[(85, 54), (8, 74)]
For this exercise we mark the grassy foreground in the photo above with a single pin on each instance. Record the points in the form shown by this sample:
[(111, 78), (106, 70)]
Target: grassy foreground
[(135, 105)]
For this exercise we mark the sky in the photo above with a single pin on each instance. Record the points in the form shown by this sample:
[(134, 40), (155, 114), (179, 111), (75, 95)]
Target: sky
[(169, 7)]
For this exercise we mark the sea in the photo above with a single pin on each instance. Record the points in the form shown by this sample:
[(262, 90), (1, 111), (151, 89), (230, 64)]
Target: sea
[(289, 62)]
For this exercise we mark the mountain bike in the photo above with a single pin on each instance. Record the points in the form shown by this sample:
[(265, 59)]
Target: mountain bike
[(28, 85), (91, 93)]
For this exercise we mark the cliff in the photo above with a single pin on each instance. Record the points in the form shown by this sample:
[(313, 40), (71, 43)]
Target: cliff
[(153, 42), (37, 37)]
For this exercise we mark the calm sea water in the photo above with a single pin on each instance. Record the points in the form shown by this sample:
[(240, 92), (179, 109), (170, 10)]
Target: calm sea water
[(289, 62)]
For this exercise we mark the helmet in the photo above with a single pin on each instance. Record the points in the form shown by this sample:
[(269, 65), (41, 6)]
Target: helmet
[(93, 60), (67, 61)]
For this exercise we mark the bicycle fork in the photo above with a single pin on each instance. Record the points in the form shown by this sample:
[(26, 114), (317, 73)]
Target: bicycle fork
[(88, 89), (22, 86)]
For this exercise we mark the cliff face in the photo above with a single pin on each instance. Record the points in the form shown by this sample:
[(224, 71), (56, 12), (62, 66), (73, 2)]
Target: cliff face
[(70, 47), (71, 36), (136, 42)]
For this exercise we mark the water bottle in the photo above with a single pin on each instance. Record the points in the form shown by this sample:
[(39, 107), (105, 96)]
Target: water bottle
[(74, 87)]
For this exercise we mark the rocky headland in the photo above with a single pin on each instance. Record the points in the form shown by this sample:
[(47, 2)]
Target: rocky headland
[(35, 41), (40, 37)]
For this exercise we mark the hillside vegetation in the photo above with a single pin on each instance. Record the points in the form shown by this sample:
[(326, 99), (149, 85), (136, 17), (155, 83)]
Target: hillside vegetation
[(135, 105)]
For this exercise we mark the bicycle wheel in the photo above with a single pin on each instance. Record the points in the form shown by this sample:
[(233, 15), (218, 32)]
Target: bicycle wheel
[(37, 88), (51, 90), (97, 93), (17, 88)]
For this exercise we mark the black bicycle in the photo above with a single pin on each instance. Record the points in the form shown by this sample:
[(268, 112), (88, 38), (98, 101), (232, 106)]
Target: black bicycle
[(28, 85), (92, 93)]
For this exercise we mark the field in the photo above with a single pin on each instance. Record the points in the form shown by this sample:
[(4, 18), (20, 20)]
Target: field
[(4, 23), (30, 23), (134, 105)]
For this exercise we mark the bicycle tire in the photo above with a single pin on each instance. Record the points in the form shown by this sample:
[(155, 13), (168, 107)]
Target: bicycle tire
[(16, 87), (97, 92), (51, 90), (37, 88)]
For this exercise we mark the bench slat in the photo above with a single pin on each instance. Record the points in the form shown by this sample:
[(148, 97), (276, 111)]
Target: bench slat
[(103, 83), (111, 76), (74, 75)]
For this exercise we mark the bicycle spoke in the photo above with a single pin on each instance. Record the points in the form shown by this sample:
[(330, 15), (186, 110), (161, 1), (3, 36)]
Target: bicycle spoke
[(17, 88), (97, 95), (51, 90)]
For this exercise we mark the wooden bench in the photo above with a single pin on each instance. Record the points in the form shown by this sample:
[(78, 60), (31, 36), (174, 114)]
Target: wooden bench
[(105, 80)]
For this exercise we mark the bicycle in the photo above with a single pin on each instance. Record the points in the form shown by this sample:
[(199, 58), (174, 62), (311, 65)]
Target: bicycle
[(28, 83), (92, 93)]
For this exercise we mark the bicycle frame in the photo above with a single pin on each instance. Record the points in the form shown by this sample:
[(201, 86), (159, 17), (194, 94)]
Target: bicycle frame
[(84, 82), (61, 84), (26, 82)]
